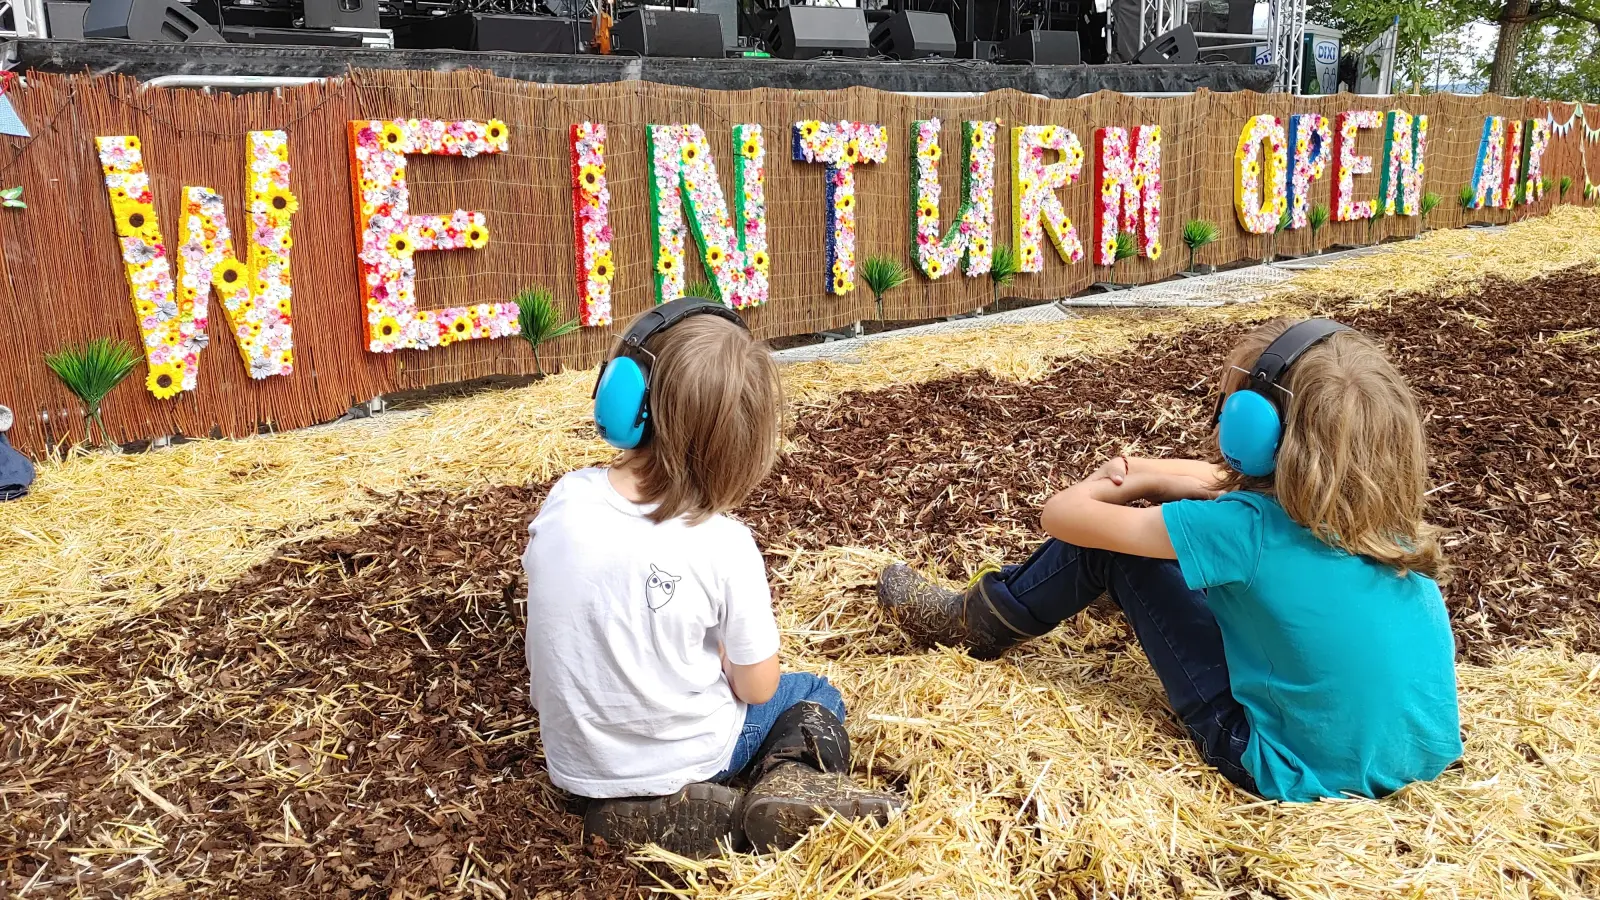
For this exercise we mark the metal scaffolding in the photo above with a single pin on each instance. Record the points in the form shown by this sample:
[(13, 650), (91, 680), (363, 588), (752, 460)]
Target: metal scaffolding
[(1285, 37)]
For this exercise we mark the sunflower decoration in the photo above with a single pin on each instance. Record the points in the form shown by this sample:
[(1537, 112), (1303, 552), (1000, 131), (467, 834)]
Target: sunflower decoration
[(171, 337), (138, 220), (760, 260), (934, 268), (165, 381), (845, 203), (665, 264), (400, 244), (281, 151), (392, 138), (460, 327), (144, 308), (980, 247), (590, 179), (1152, 250), (808, 130), (934, 153), (286, 358), (926, 209), (280, 202), (476, 236), (751, 148), (979, 137), (604, 267), (852, 152), (714, 256), (387, 329), (841, 284), (839, 269), (285, 306), (228, 276), (496, 132), (691, 152)]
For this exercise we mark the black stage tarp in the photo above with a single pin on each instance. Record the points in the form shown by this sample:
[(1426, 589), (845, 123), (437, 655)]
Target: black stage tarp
[(147, 61)]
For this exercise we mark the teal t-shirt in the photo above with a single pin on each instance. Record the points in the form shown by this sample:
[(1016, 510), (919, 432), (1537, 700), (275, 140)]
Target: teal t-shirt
[(1345, 669)]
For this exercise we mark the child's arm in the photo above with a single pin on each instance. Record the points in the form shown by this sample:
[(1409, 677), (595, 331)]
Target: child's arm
[(1119, 467), (753, 684), (1095, 513)]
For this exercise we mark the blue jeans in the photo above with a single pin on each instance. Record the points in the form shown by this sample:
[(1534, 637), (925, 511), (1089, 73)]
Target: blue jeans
[(793, 687), (1172, 622)]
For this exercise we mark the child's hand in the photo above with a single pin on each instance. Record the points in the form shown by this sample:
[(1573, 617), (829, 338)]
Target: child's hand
[(1114, 470)]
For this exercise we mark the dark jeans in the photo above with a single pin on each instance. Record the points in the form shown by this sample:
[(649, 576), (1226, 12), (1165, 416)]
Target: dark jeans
[(1173, 624), (793, 687)]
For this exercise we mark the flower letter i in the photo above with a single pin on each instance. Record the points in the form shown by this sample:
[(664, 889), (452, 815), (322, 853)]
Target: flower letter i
[(391, 235), (255, 294), (840, 146), (591, 223)]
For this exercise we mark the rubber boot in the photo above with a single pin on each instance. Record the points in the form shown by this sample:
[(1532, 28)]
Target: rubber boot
[(697, 821), (798, 779), (931, 614)]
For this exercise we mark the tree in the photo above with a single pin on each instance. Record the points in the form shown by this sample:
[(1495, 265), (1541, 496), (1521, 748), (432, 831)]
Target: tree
[(1515, 16), (1559, 60)]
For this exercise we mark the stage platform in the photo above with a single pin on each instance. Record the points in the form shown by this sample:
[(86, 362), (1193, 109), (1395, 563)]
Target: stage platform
[(147, 61)]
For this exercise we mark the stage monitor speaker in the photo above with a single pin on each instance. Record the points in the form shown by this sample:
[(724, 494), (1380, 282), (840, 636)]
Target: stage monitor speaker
[(1177, 47), (65, 19), (290, 37), (985, 51), (667, 32), (149, 21), (341, 14), (494, 33), (915, 35), (1043, 48), (807, 32)]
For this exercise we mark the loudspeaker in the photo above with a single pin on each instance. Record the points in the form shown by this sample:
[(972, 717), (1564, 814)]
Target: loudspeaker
[(289, 37), (1043, 48), (915, 35), (668, 32), (341, 13), (148, 21), (488, 32), (807, 32), (728, 12), (987, 51), (1177, 47), (65, 19)]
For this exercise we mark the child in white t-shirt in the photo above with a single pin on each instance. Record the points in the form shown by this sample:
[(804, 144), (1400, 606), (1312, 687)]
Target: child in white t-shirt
[(652, 647)]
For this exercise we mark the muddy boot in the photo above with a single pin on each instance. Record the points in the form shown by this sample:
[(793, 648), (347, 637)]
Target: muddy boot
[(695, 822), (931, 614), (798, 779)]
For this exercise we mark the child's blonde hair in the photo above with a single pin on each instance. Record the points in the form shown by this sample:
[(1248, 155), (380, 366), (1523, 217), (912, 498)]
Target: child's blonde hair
[(1353, 462), (716, 419)]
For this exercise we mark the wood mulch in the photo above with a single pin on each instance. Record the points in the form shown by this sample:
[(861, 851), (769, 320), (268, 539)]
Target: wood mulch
[(352, 719)]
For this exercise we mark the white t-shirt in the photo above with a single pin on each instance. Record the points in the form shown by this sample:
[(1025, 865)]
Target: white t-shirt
[(624, 619)]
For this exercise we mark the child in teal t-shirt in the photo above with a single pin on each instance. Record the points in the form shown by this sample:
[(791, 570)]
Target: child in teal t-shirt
[(1290, 613)]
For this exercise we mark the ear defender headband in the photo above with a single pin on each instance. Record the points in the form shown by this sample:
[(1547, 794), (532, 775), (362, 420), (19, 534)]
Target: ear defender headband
[(1250, 422), (622, 393)]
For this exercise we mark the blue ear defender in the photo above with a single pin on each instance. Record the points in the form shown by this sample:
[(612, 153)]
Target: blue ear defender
[(622, 392), (1250, 422), (619, 403)]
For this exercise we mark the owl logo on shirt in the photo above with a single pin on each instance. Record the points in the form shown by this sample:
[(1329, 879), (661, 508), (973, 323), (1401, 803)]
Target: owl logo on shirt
[(658, 591)]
